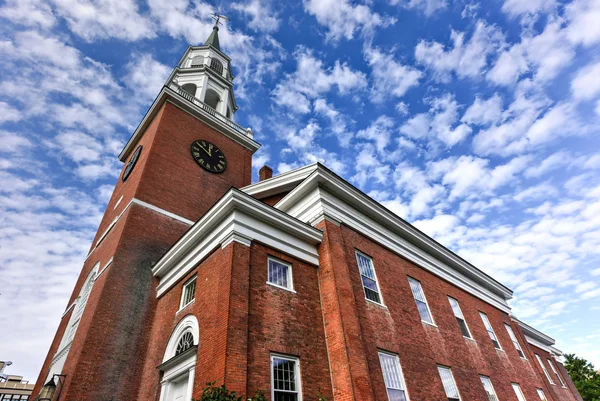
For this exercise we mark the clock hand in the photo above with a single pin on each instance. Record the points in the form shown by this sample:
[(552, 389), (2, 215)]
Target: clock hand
[(208, 151)]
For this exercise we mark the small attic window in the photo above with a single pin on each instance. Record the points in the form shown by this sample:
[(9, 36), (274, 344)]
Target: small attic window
[(216, 65), (197, 61)]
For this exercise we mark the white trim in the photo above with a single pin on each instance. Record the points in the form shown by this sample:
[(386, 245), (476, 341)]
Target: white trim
[(538, 344), (481, 377), (187, 323), (183, 290), (541, 363), (432, 323), (69, 308), (463, 317), (323, 193), (104, 268), (118, 202), (449, 369), (558, 376), (281, 287), (356, 253), (168, 95), (298, 374), (280, 183), (162, 211), (402, 379), (514, 339), (250, 218), (236, 237), (290, 273), (484, 319), (520, 395), (143, 204)]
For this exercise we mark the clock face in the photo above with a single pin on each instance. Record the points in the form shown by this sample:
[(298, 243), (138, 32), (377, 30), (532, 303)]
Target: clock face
[(132, 161), (208, 156)]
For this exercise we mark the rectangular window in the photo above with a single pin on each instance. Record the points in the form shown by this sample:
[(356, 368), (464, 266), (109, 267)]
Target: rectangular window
[(464, 329), (544, 368), (541, 394), (421, 301), (490, 330), (285, 378), (280, 273), (489, 388), (513, 338), (562, 383), (518, 392), (449, 383), (369, 279), (189, 293), (392, 376)]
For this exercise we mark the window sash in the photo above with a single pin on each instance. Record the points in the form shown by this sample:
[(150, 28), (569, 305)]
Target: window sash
[(368, 277), (490, 330), (513, 338), (562, 383), (489, 388), (392, 376), (189, 293), (285, 381), (544, 369), (420, 300), (541, 394), (460, 318), (518, 392), (448, 382), (280, 273)]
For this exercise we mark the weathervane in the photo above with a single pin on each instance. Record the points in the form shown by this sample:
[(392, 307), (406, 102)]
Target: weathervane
[(217, 17)]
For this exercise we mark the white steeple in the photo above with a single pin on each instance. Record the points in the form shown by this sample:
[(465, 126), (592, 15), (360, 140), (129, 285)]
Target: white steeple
[(205, 73)]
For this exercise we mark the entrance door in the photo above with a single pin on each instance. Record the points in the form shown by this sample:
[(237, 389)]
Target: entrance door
[(178, 389)]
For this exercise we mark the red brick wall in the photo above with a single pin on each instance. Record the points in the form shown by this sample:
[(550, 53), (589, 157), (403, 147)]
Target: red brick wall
[(421, 347), (556, 391)]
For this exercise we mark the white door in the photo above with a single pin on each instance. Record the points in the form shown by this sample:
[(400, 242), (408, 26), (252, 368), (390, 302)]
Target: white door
[(178, 389)]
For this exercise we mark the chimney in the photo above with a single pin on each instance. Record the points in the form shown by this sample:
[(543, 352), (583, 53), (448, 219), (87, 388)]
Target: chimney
[(265, 173)]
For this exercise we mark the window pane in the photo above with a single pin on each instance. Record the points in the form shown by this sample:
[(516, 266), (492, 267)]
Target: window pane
[(417, 290), (489, 389), (365, 266), (279, 273), (424, 312), (448, 382), (392, 376), (367, 272), (456, 308), (284, 377), (419, 296), (513, 338), (541, 394), (396, 395), (463, 327), (518, 392), (189, 291), (556, 373), (490, 330), (544, 368)]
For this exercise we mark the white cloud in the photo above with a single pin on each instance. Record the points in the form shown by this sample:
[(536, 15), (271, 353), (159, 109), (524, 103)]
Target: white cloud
[(262, 17), (583, 16), (389, 77), (427, 7), (379, 132), (517, 7), (337, 121), (466, 59), (29, 13), (103, 19), (586, 85), (595, 272), (12, 142), (483, 112), (9, 113), (145, 75), (439, 225), (343, 19), (551, 163)]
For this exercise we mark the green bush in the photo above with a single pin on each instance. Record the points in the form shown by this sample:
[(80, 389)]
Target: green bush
[(220, 393)]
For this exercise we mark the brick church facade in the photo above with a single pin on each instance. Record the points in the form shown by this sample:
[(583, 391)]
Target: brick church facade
[(296, 285)]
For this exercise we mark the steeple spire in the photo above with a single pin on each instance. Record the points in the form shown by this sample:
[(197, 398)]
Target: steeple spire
[(213, 39)]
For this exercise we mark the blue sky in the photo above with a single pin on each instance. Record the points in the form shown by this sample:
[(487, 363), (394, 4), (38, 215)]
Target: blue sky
[(476, 121)]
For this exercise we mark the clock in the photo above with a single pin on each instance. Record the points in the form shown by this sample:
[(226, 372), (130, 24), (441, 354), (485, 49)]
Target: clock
[(208, 156), (132, 161)]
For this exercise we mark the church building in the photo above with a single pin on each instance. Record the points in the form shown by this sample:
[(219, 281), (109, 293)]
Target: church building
[(298, 285)]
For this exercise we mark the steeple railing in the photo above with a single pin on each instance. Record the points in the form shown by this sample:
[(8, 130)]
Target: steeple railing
[(210, 110)]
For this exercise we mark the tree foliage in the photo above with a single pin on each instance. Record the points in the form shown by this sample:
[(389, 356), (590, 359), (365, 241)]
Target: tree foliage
[(585, 377)]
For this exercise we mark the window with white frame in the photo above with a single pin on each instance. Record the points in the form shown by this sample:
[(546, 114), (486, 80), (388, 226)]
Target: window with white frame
[(541, 394), (369, 279), (280, 273), (518, 392), (188, 294), (449, 383), (489, 388), (462, 324), (562, 383), (490, 330), (544, 368), (393, 377), (513, 338), (285, 378), (420, 299)]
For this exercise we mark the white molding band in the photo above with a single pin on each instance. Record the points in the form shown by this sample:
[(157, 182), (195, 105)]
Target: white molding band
[(143, 204), (323, 193), (241, 218), (104, 268), (69, 308)]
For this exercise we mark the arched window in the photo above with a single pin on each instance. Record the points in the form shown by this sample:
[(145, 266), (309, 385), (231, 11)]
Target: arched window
[(185, 342), (217, 66), (228, 115), (178, 369), (189, 88), (198, 61), (212, 98)]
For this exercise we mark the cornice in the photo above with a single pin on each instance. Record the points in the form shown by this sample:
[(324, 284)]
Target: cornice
[(324, 193), (280, 183), (535, 335), (236, 217), (169, 95)]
